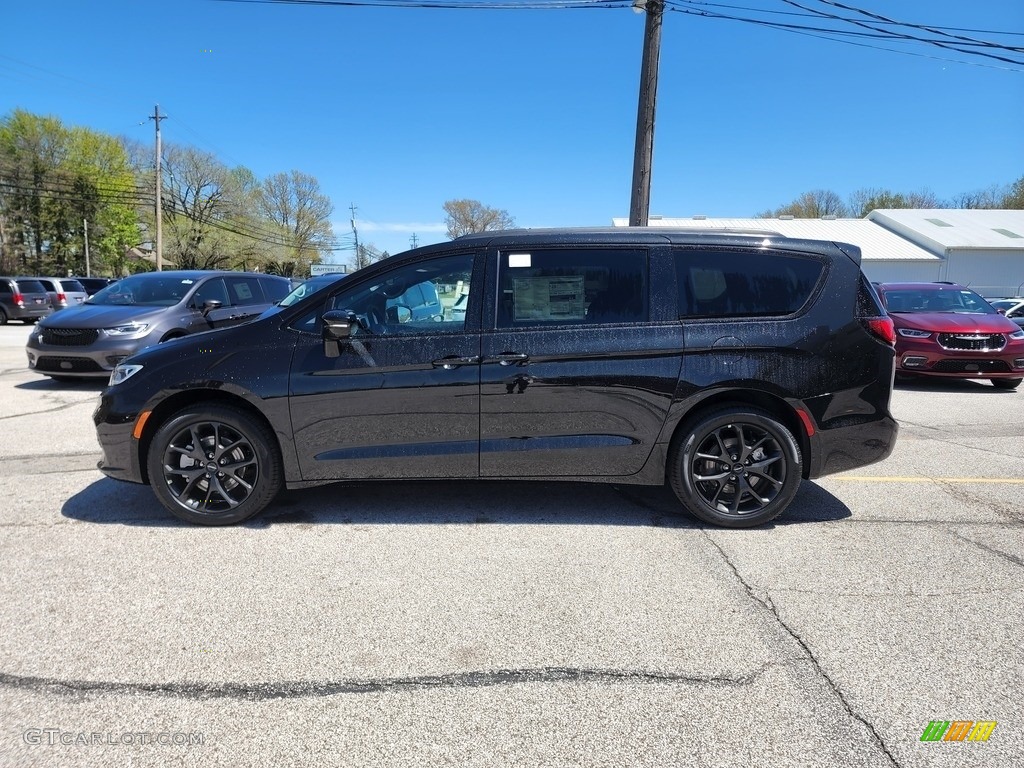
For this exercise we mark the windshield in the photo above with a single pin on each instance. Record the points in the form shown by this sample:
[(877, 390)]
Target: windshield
[(144, 290), (959, 300), (311, 286)]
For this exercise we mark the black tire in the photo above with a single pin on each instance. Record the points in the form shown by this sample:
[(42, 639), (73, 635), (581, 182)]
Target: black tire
[(233, 476), (758, 478), (30, 320), (3, 317), (1006, 383)]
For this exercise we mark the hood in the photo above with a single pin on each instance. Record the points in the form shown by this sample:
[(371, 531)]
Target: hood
[(103, 315), (953, 322)]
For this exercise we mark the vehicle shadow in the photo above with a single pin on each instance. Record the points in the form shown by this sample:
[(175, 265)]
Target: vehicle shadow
[(922, 384), (466, 502), (46, 384)]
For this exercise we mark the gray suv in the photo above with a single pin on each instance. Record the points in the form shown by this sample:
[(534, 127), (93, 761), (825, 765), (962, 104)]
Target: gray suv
[(89, 340), (23, 298)]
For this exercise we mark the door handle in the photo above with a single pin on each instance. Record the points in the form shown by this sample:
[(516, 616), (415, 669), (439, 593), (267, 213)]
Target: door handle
[(451, 363), (510, 358)]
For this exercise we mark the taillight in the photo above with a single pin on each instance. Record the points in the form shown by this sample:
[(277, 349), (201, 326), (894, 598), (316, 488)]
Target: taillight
[(19, 300), (62, 299), (882, 328)]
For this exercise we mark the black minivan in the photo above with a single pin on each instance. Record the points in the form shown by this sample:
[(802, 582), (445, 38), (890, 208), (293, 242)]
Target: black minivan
[(730, 365)]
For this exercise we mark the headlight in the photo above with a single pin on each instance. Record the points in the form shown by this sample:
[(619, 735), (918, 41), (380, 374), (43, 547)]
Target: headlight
[(126, 330), (1017, 334), (123, 372), (913, 333)]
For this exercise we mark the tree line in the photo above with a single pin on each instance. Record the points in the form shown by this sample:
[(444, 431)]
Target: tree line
[(825, 202), (63, 186)]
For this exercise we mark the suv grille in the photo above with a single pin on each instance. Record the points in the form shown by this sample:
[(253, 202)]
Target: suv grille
[(971, 366), (979, 342), (70, 337)]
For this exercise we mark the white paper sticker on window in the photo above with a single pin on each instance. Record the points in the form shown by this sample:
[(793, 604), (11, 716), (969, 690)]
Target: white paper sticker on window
[(518, 260)]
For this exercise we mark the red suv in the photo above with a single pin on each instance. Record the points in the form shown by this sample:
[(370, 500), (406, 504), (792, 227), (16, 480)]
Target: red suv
[(944, 329)]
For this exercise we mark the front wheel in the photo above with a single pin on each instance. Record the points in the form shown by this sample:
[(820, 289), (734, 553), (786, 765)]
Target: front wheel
[(214, 465), (1006, 383), (735, 467)]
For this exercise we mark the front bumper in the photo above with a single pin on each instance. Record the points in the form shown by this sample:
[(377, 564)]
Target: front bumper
[(927, 358), (94, 361), (120, 448)]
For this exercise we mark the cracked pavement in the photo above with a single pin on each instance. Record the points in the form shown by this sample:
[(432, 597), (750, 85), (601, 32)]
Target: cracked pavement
[(495, 624)]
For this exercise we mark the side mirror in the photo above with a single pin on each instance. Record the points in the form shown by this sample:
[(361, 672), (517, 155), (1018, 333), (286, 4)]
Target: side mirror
[(209, 305), (1001, 311), (337, 326)]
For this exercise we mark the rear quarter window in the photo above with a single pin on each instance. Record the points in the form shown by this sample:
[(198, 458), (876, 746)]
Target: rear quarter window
[(744, 283)]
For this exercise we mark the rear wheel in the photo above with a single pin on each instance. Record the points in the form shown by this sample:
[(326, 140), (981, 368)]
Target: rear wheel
[(1006, 383), (735, 467), (3, 317), (214, 465)]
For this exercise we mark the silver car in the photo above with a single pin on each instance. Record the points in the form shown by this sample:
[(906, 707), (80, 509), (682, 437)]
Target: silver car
[(64, 291), (88, 340)]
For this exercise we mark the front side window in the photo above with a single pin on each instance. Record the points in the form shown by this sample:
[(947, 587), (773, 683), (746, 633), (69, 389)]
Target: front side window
[(422, 298), (743, 283), (570, 286)]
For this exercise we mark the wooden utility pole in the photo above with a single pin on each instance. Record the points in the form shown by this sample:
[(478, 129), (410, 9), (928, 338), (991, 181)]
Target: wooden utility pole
[(640, 200), (85, 230), (157, 117)]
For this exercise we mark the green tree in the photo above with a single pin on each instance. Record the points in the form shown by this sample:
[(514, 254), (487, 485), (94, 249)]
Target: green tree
[(1014, 197), (54, 179), (464, 217)]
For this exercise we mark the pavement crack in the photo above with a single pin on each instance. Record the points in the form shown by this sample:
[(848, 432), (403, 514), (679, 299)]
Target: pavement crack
[(55, 409), (1005, 555), (769, 606), (310, 689)]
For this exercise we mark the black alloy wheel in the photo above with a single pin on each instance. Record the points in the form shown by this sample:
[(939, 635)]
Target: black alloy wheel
[(214, 465), (735, 467)]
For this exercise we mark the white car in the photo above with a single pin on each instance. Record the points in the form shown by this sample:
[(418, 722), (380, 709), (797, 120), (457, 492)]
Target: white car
[(1012, 308)]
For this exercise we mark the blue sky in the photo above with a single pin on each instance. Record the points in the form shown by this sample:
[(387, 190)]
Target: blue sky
[(534, 111)]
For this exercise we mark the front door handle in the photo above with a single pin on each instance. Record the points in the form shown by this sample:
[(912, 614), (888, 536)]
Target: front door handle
[(510, 358), (451, 363)]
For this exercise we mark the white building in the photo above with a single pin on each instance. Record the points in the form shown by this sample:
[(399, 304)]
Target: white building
[(980, 248)]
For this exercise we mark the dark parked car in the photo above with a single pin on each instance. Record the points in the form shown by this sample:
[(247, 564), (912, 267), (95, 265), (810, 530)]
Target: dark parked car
[(94, 284), (23, 298), (947, 330), (731, 365), (90, 339), (64, 292)]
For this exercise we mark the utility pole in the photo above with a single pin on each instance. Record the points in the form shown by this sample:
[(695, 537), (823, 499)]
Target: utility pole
[(413, 241), (157, 117), (85, 227), (355, 235), (640, 201)]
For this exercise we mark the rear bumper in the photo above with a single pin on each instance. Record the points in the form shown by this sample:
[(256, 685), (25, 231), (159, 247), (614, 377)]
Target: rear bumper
[(852, 445)]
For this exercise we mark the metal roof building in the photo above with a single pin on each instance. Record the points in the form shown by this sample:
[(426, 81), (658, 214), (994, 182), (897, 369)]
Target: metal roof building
[(980, 248)]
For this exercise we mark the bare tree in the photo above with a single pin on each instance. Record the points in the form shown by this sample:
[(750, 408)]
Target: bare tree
[(465, 217), (863, 201), (811, 205), (195, 207), (990, 197), (294, 202)]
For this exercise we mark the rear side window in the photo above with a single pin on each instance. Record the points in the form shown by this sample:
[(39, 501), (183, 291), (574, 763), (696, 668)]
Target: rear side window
[(245, 291), (275, 290), (571, 286), (868, 304), (743, 283)]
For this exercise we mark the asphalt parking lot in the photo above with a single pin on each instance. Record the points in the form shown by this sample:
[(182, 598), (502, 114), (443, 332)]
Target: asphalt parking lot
[(501, 624)]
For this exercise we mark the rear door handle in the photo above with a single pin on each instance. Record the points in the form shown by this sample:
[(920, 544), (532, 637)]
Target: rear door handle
[(510, 358), (450, 363)]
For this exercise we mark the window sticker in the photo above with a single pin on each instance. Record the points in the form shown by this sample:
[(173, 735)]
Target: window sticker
[(549, 298), (243, 291), (519, 260)]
